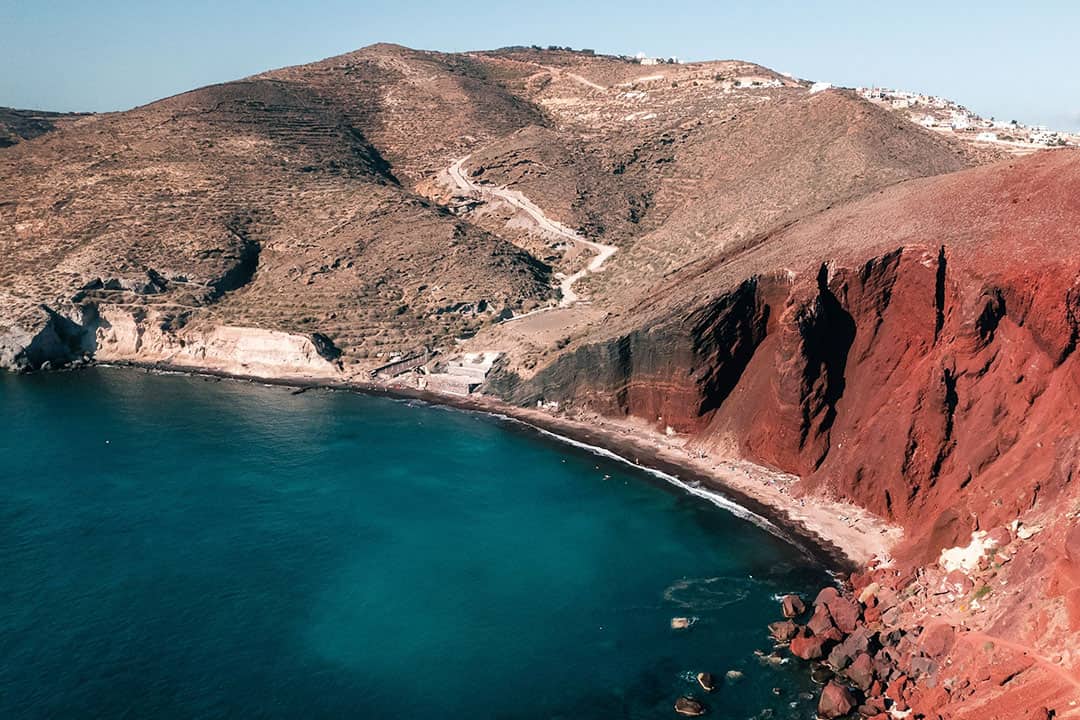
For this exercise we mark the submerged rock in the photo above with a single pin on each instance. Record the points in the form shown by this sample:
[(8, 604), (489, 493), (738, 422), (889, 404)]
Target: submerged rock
[(821, 674)]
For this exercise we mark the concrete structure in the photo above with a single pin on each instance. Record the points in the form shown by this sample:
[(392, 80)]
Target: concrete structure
[(400, 366), (461, 376)]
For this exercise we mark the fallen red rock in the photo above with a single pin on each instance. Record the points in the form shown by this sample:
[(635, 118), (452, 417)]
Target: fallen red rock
[(807, 647), (783, 631), (821, 622), (792, 606), (836, 701), (861, 672), (844, 613)]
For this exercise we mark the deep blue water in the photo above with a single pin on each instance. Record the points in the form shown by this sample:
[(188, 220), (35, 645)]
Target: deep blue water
[(175, 547)]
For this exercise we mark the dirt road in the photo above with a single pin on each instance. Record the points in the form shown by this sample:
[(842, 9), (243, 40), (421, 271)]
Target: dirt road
[(465, 184)]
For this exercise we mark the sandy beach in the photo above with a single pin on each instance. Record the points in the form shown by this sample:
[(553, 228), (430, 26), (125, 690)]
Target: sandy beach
[(849, 535)]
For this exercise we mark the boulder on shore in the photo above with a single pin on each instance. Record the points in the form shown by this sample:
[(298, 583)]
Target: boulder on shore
[(792, 606), (783, 631), (821, 622), (826, 595), (844, 614), (861, 672), (836, 701), (807, 647)]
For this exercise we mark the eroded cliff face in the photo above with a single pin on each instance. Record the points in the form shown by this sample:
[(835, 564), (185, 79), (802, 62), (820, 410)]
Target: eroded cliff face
[(124, 336), (932, 395), (51, 339), (675, 373), (938, 393), (108, 333)]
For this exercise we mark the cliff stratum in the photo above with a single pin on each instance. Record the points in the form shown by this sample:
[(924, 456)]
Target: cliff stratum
[(799, 279)]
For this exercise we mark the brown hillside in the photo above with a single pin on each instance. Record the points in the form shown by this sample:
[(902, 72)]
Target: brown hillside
[(18, 125), (287, 200), (256, 184)]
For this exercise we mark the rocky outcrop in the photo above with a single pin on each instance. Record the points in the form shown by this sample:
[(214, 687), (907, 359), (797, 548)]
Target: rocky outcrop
[(140, 335), (52, 339), (125, 336), (675, 374), (930, 644)]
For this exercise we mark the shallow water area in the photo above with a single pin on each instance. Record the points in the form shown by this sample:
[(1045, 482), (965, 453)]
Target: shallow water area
[(183, 547)]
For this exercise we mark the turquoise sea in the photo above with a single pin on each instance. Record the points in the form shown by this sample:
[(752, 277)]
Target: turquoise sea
[(182, 547)]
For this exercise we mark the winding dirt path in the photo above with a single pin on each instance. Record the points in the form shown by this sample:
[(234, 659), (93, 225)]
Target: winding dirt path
[(518, 200)]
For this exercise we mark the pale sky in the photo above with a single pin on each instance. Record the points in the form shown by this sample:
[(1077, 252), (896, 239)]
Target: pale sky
[(1016, 60)]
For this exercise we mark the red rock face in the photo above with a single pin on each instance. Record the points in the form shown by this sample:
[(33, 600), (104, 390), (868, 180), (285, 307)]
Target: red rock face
[(920, 362), (914, 353)]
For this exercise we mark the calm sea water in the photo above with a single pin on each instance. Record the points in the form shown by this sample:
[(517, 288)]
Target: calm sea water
[(175, 547)]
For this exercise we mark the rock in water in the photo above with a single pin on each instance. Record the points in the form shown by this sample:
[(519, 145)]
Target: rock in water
[(836, 701), (680, 623), (783, 631), (734, 675), (807, 647), (706, 681), (792, 606), (689, 706)]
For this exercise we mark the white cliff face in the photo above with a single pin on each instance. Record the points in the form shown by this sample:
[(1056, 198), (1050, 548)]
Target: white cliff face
[(126, 337)]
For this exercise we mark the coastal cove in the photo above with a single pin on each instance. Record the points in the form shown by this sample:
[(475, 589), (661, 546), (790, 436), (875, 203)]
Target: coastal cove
[(822, 527), (175, 546)]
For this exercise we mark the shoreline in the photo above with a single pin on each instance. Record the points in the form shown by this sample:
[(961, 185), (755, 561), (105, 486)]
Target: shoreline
[(811, 524)]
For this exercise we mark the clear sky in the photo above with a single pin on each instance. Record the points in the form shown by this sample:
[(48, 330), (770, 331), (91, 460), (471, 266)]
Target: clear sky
[(1012, 60)]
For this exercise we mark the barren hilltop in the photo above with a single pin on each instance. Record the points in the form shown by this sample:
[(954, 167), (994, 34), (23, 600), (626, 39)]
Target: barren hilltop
[(730, 264)]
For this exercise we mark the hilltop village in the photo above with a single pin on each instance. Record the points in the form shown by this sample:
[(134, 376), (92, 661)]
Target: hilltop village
[(945, 116)]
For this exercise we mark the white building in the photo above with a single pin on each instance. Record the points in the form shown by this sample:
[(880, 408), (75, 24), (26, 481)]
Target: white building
[(960, 122)]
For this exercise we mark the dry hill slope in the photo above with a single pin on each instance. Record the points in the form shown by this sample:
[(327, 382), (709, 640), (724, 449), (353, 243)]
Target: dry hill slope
[(294, 201)]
